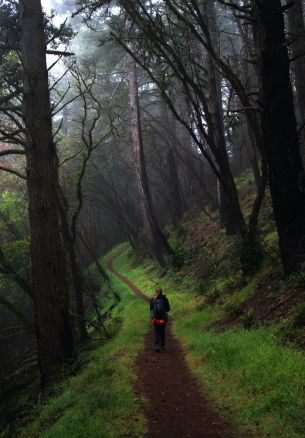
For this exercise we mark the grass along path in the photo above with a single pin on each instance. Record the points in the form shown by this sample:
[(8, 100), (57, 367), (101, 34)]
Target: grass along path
[(255, 380), (175, 407), (99, 402)]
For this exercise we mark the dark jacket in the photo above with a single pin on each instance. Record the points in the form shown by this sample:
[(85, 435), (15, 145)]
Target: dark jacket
[(165, 304)]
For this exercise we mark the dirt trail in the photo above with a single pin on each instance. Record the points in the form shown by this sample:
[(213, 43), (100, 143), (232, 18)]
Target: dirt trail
[(177, 408)]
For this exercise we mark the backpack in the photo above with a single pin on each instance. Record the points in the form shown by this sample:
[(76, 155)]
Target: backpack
[(159, 309)]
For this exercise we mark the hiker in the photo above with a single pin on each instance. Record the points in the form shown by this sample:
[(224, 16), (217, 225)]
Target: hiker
[(159, 306)]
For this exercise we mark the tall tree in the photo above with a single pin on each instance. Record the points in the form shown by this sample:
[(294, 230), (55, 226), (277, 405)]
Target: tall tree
[(181, 57), (54, 338), (216, 122), (286, 173), (154, 233), (248, 71)]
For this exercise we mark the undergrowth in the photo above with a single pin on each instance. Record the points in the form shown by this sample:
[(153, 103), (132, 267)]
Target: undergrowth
[(99, 402)]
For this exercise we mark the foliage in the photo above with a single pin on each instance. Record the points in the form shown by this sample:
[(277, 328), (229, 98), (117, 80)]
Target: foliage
[(212, 295), (247, 319), (18, 254), (299, 318), (181, 254), (92, 279), (13, 205), (251, 254), (13, 226), (10, 73)]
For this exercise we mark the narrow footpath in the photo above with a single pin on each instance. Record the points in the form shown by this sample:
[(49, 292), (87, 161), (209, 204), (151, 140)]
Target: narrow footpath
[(176, 407)]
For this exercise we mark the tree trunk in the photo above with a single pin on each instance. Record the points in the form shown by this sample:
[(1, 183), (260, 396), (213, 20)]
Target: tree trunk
[(76, 274), (297, 34), (77, 280), (286, 173), (184, 148), (54, 338), (252, 153), (169, 142), (229, 208), (157, 239), (251, 84), (225, 214)]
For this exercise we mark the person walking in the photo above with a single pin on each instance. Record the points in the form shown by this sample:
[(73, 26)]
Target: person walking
[(159, 306)]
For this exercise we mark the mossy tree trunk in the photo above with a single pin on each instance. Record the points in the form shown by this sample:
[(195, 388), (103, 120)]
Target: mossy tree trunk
[(157, 239), (54, 337)]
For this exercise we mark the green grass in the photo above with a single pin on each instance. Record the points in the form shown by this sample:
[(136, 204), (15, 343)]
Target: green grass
[(254, 381), (259, 380), (257, 383), (99, 402)]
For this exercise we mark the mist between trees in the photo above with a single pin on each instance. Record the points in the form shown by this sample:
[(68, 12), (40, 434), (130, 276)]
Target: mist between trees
[(146, 111)]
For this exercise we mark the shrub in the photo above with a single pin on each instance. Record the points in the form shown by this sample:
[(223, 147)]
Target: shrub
[(299, 320), (181, 253), (251, 254), (232, 311), (212, 296), (248, 319)]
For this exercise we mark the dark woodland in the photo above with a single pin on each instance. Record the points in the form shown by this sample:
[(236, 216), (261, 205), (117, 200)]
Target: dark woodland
[(150, 144)]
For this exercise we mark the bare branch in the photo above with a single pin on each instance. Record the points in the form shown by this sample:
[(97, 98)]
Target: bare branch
[(60, 53), (12, 152), (12, 171)]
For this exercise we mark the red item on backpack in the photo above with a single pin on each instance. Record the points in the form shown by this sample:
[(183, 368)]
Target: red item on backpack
[(158, 321)]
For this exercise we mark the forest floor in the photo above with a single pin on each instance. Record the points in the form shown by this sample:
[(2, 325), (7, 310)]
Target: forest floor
[(176, 407)]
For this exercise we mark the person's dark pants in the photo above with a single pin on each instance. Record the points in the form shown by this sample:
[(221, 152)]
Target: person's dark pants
[(159, 335)]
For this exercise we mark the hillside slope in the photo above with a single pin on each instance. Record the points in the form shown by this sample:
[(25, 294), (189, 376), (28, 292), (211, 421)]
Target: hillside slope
[(242, 334), (256, 382), (242, 337)]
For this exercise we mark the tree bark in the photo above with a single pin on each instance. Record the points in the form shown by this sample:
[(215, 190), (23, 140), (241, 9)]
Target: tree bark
[(54, 338), (279, 125), (297, 34), (157, 239)]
